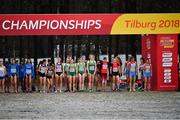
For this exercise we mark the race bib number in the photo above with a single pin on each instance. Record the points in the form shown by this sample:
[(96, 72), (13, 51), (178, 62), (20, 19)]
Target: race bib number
[(43, 70), (2, 73), (72, 70), (58, 68), (104, 66), (91, 68), (133, 68), (50, 73), (13, 70), (81, 69), (147, 69), (28, 71), (115, 69)]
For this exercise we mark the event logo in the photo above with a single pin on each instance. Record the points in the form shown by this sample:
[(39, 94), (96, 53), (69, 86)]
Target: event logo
[(167, 43)]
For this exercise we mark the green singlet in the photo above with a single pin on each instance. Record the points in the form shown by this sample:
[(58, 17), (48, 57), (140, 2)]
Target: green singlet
[(66, 67), (81, 67), (72, 70), (91, 66)]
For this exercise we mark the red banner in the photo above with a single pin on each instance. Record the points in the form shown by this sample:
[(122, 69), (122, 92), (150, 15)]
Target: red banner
[(89, 24), (54, 24)]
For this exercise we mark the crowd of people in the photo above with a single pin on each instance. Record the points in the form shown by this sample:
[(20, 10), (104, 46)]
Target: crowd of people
[(70, 76)]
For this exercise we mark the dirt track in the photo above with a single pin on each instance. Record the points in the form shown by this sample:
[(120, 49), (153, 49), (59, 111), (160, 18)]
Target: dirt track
[(99, 105)]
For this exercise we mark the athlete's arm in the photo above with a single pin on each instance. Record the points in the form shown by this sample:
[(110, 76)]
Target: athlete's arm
[(111, 67), (39, 68), (129, 66), (63, 68), (5, 70), (8, 70), (120, 68), (76, 71), (125, 67), (33, 73), (23, 67), (136, 69), (87, 67), (95, 68), (144, 66), (151, 70), (77, 65), (54, 67), (84, 67), (17, 68), (46, 70)]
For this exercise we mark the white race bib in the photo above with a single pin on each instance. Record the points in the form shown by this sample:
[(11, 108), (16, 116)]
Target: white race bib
[(147, 69), (104, 66), (13, 70), (58, 68), (43, 70), (28, 71), (133, 67), (115, 69), (91, 68), (2, 74), (72, 70)]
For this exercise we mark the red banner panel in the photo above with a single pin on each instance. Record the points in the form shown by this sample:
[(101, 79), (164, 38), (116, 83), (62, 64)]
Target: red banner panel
[(89, 24), (54, 24)]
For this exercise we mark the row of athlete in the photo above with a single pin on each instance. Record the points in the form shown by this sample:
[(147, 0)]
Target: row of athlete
[(131, 72), (11, 73), (74, 74), (70, 71)]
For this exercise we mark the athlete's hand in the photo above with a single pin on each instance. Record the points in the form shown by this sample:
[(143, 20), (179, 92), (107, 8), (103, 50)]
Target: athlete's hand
[(108, 77)]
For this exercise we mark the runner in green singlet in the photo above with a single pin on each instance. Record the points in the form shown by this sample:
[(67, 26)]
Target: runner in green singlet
[(72, 76), (81, 68), (91, 69)]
